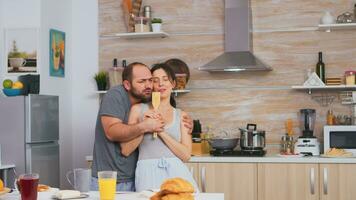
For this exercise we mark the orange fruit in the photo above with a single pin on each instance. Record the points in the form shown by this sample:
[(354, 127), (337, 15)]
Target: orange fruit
[(1, 185), (17, 85)]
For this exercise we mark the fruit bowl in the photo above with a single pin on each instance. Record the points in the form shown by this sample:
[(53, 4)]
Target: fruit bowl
[(12, 92)]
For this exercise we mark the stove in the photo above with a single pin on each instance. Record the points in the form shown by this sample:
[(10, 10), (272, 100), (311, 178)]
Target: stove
[(237, 153)]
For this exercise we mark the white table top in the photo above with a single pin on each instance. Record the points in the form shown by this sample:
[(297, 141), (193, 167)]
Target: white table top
[(7, 166), (94, 195)]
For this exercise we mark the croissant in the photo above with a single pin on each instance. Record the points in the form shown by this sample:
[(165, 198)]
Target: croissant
[(177, 185)]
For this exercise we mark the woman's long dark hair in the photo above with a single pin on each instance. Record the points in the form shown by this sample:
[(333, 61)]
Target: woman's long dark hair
[(171, 76)]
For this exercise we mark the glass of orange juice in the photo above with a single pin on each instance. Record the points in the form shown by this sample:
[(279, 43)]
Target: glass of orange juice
[(107, 184)]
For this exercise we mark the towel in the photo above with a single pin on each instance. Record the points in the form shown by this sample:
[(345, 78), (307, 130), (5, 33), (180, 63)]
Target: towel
[(67, 194)]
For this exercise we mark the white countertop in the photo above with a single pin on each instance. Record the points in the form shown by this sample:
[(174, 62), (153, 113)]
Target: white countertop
[(128, 196), (7, 166), (270, 159)]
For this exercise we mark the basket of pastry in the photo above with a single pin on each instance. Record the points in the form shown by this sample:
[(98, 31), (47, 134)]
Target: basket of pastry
[(175, 189), (335, 153)]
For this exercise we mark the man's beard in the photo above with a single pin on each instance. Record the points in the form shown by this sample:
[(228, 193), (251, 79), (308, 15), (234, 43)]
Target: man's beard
[(141, 97)]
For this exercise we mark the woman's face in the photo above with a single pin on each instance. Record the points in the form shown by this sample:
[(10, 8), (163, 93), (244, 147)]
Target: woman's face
[(162, 83)]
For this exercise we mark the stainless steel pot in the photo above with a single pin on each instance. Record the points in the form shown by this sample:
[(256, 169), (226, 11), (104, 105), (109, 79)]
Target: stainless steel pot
[(223, 143), (252, 139)]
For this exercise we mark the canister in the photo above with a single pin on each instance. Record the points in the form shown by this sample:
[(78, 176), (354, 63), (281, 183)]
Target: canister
[(350, 77)]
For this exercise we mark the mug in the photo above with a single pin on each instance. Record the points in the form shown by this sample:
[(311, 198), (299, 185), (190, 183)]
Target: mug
[(17, 62), (27, 185), (82, 179)]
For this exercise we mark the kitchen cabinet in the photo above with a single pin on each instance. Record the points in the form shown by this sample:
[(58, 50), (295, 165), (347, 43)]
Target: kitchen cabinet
[(235, 180), (194, 169), (280, 181), (337, 181)]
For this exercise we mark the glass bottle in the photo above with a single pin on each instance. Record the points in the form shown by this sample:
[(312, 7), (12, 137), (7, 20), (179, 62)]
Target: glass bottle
[(320, 67), (330, 118)]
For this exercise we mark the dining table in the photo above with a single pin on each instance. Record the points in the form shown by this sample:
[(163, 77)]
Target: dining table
[(94, 195)]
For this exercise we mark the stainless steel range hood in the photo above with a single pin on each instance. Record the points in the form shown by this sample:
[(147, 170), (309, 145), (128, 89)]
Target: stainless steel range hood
[(238, 41)]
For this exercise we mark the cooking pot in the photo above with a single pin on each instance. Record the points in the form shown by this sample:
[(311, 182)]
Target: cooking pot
[(252, 139), (223, 143)]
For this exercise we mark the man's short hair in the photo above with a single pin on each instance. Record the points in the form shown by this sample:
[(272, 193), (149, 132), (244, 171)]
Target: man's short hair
[(127, 73)]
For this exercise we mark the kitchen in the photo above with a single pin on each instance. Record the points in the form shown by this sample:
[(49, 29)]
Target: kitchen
[(285, 37)]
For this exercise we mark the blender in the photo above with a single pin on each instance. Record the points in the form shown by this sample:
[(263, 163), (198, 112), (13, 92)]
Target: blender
[(307, 144)]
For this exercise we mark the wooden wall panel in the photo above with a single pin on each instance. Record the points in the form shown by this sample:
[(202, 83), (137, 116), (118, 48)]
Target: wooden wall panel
[(284, 37)]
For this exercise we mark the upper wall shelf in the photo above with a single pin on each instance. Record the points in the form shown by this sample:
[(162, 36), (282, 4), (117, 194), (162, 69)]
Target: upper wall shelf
[(135, 35), (176, 92), (330, 27), (327, 87)]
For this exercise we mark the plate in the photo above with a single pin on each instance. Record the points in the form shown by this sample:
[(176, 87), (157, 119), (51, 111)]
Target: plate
[(291, 156), (82, 195), (6, 190), (331, 156)]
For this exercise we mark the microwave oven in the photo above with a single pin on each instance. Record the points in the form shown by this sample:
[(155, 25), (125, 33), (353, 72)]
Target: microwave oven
[(342, 137)]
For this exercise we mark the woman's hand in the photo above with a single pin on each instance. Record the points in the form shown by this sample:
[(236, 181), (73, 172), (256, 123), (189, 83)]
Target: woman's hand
[(188, 123)]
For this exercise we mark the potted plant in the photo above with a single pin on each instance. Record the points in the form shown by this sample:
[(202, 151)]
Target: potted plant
[(101, 80), (16, 59), (156, 24)]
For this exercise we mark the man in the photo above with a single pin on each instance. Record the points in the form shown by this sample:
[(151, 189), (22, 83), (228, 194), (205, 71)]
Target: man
[(112, 128)]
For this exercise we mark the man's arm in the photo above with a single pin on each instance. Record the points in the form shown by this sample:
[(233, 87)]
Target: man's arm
[(128, 147), (116, 130)]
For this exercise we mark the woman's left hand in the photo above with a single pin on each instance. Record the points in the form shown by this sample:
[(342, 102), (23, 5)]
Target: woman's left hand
[(188, 123), (152, 114)]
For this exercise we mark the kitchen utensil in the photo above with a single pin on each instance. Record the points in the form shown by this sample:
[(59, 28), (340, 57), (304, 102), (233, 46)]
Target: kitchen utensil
[(82, 179), (252, 139), (289, 127), (156, 100), (307, 143), (129, 21), (223, 143), (307, 121), (287, 145), (327, 18), (346, 17)]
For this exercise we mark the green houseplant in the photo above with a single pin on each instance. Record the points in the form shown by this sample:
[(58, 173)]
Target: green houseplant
[(101, 80), (156, 24)]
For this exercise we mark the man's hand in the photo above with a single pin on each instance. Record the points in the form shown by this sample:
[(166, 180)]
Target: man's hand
[(188, 123)]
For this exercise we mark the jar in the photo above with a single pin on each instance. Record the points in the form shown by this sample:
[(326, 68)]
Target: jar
[(181, 81), (142, 24), (350, 77), (287, 145), (330, 118)]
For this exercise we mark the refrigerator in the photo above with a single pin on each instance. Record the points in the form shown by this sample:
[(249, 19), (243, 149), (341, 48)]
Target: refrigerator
[(29, 133)]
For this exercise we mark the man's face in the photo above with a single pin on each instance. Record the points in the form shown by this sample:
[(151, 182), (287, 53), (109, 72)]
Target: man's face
[(141, 85)]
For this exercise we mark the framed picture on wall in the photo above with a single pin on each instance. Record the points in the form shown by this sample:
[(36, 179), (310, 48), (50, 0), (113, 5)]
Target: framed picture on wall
[(21, 51), (56, 53)]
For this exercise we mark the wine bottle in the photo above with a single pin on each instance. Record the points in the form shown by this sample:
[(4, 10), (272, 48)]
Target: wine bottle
[(320, 68)]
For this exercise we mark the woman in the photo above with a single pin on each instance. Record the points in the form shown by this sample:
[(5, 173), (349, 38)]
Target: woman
[(163, 157)]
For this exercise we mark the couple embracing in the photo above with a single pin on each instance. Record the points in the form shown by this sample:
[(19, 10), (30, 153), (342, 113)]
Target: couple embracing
[(125, 125)]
